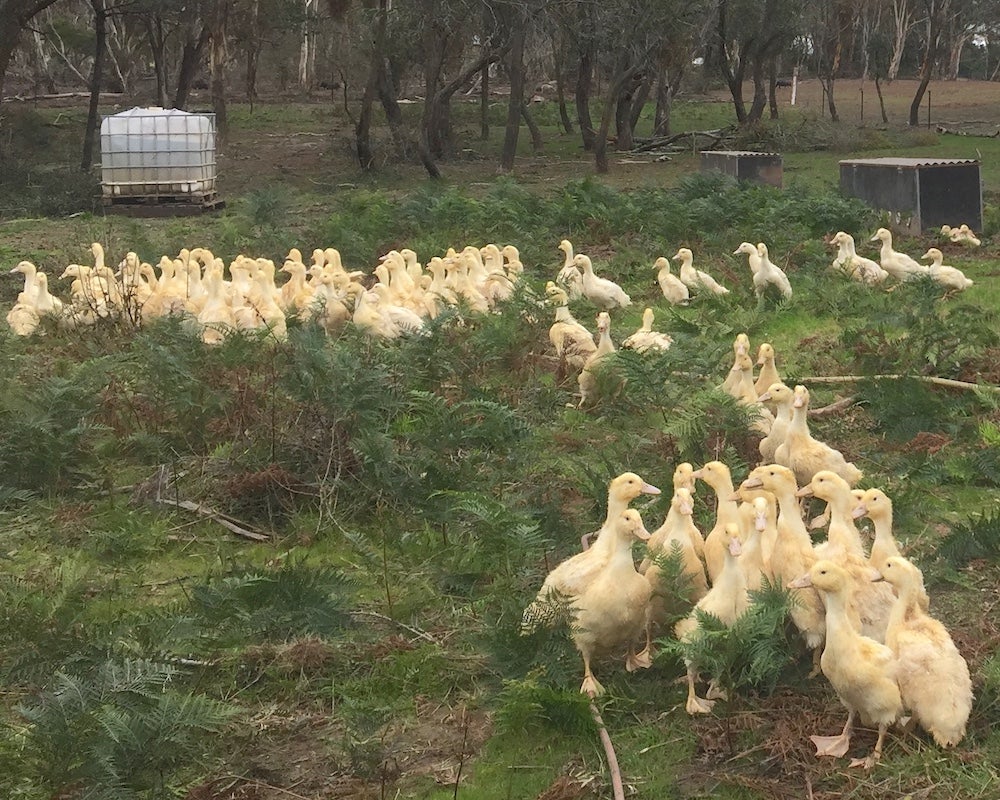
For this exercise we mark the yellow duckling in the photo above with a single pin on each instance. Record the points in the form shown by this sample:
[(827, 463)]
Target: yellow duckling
[(861, 671), (933, 677)]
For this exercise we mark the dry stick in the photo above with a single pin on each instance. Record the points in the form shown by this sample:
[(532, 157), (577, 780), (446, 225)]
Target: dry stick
[(415, 631), (223, 519), (616, 775), (952, 384)]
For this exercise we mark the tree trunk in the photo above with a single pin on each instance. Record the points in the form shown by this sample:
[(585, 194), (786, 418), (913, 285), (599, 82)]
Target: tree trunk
[(515, 106), (190, 64), (733, 76), (827, 83), (639, 100), (253, 50), (881, 100), (584, 79), (567, 123), (759, 93), (100, 44), (955, 57), (484, 104), (433, 130), (362, 130), (220, 14), (926, 68), (902, 17), (394, 116), (158, 49), (615, 88), (537, 144), (772, 88), (667, 85)]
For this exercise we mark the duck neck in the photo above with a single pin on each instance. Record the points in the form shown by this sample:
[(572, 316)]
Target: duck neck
[(842, 621)]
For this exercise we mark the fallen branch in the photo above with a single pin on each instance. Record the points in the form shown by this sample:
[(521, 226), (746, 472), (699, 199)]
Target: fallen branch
[(959, 132), (715, 136), (833, 408), (616, 774), (227, 522), (415, 631), (949, 382), (57, 96)]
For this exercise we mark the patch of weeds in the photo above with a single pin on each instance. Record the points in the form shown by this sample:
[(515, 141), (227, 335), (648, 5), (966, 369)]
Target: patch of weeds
[(977, 538)]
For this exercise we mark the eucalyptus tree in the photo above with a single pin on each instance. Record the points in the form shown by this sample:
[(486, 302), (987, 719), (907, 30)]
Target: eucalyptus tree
[(829, 27), (935, 13), (14, 18), (749, 35)]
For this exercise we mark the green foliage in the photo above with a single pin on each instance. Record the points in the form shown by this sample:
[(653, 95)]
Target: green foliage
[(752, 653), (271, 604), (903, 408), (976, 538), (47, 426), (120, 730), (532, 706)]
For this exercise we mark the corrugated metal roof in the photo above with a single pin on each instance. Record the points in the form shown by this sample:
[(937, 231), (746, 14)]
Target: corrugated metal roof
[(910, 162), (739, 153)]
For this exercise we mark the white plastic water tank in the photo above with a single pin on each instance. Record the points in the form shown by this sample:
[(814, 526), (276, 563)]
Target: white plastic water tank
[(157, 151)]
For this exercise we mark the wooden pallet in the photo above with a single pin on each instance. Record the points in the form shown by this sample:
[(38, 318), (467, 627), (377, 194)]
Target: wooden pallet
[(163, 205)]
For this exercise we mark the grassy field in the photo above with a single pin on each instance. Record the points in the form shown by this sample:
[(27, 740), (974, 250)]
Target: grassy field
[(414, 494)]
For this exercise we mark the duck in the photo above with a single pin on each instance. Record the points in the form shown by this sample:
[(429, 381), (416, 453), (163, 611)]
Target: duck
[(29, 271), (861, 269), (768, 374), (45, 302), (805, 455), (679, 534), (727, 601), (876, 505), (899, 265), (950, 277), (933, 676), (843, 546), (717, 475), (741, 346), (513, 263), (781, 397), (216, 316), (23, 318), (861, 670), (753, 257), (569, 276), (602, 292), (962, 234), (613, 610), (646, 338), (792, 554), (588, 377), (695, 278), (573, 343), (770, 274), (672, 287), (678, 529), (758, 519)]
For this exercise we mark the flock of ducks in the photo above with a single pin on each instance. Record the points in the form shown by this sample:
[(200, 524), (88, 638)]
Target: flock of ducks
[(897, 265), (397, 299), (863, 612)]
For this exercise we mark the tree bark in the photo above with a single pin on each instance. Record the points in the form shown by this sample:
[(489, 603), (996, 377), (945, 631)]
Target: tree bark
[(733, 76), (484, 104), (516, 104), (615, 88), (190, 64), (930, 59), (639, 99), (772, 88), (362, 130), (96, 74), (881, 100), (585, 76), (220, 14), (537, 143), (557, 49), (158, 49), (394, 116), (902, 17)]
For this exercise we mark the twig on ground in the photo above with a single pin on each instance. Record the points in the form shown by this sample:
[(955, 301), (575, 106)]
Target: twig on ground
[(949, 382), (609, 749), (415, 631)]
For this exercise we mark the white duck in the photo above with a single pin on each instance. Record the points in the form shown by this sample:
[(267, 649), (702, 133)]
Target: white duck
[(770, 274), (672, 287), (573, 343), (602, 292), (805, 455), (861, 269), (646, 338), (569, 276), (901, 266), (963, 234), (951, 277), (861, 670), (753, 257), (587, 379), (695, 278)]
